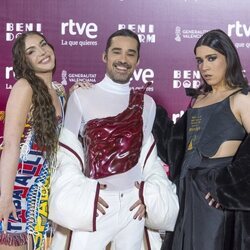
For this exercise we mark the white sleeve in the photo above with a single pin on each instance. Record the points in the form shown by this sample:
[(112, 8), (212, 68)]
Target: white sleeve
[(73, 197), (73, 114), (149, 113), (154, 240), (159, 193)]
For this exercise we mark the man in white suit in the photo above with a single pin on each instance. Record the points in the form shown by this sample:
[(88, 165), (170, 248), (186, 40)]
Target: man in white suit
[(111, 185)]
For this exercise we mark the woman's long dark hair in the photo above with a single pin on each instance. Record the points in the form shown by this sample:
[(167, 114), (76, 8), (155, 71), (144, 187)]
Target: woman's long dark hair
[(43, 114), (221, 42)]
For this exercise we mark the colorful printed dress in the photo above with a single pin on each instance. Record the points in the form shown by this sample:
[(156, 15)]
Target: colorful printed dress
[(31, 191)]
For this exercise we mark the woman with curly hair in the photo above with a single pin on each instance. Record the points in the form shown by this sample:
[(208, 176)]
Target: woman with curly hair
[(34, 114)]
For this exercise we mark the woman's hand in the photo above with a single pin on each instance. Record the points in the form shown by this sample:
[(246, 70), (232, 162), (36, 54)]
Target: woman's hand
[(212, 202), (6, 209), (80, 84)]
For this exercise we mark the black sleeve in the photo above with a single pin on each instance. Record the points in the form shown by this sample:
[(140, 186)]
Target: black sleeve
[(231, 185), (170, 140), (162, 131)]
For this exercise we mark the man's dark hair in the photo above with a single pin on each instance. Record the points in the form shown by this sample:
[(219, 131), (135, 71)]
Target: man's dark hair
[(126, 33)]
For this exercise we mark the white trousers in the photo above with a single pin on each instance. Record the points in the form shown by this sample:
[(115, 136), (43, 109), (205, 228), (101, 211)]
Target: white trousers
[(116, 226)]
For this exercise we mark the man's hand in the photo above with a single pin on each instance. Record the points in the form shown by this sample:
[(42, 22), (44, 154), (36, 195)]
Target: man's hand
[(101, 204)]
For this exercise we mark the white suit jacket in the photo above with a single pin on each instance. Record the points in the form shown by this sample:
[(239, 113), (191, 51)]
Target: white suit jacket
[(73, 196)]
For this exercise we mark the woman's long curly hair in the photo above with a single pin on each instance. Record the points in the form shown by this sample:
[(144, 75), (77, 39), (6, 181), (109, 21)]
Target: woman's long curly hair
[(221, 42), (43, 114)]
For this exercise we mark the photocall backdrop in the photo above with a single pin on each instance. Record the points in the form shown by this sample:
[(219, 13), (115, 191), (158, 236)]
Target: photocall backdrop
[(168, 30)]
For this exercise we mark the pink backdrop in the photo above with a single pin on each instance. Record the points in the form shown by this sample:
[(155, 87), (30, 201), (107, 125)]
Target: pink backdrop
[(168, 30)]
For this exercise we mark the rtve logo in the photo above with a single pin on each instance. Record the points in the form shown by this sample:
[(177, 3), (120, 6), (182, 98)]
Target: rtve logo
[(176, 116), (9, 72), (144, 75), (75, 28), (238, 29), (13, 30)]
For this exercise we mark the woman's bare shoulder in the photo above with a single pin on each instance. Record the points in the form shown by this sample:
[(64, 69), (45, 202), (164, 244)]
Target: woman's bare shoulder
[(22, 85), (21, 92), (242, 97)]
